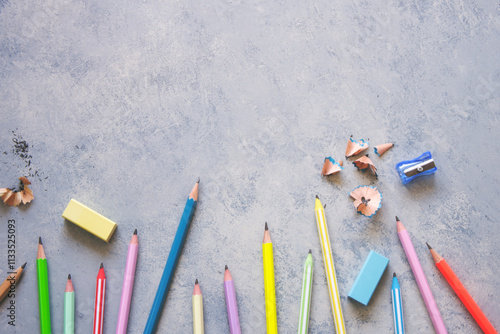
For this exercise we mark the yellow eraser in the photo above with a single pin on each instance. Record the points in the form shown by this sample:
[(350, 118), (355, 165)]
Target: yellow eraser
[(89, 220)]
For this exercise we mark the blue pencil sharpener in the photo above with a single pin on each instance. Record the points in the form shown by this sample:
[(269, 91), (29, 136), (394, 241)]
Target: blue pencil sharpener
[(410, 169)]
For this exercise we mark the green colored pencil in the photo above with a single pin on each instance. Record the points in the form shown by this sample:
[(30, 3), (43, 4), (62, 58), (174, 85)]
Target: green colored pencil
[(305, 300), (69, 308), (43, 289)]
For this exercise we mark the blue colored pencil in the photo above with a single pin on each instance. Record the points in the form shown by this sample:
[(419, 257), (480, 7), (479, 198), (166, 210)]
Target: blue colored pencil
[(173, 258), (397, 306)]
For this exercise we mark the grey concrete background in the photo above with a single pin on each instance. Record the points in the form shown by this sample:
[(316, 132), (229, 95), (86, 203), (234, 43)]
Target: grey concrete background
[(125, 103)]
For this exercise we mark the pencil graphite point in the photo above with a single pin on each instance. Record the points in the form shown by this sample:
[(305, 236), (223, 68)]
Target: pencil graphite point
[(394, 275), (317, 197), (135, 232), (40, 240), (24, 265), (397, 219), (266, 228), (101, 266), (428, 245), (198, 181), (310, 252), (196, 281), (226, 267), (69, 276)]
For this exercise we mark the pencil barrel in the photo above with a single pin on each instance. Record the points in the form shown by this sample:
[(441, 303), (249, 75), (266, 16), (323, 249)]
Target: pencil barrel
[(232, 308), (198, 325), (465, 297), (69, 313), (270, 290), (329, 269), (305, 300), (128, 285), (43, 296)]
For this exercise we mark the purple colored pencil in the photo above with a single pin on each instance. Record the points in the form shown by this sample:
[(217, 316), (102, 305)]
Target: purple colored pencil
[(128, 285), (232, 306)]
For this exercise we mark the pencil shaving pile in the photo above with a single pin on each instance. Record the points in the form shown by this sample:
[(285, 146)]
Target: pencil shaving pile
[(15, 197)]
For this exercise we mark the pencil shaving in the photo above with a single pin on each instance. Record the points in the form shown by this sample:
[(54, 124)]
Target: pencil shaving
[(354, 147), (382, 148), (364, 163), (367, 200), (14, 198), (331, 167)]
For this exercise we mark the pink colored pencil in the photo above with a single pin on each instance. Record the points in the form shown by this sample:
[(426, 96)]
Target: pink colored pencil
[(128, 285), (418, 272), (100, 292), (232, 306)]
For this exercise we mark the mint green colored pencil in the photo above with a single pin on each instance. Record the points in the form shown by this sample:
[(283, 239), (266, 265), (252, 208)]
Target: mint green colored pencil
[(69, 307), (305, 300)]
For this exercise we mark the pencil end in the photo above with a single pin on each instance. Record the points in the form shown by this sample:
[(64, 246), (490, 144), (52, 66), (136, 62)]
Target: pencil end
[(196, 281), (198, 181), (135, 232), (266, 228), (69, 276), (428, 245), (317, 197), (397, 219), (225, 267), (394, 275), (24, 265), (40, 240), (310, 252), (102, 266)]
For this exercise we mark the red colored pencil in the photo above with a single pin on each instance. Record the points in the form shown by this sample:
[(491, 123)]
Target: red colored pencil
[(462, 293), (100, 291)]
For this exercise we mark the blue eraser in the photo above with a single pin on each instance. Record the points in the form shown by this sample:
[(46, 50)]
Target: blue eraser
[(368, 278)]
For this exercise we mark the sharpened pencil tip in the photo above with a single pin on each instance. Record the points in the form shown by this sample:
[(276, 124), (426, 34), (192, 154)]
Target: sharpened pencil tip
[(40, 240), (69, 276), (394, 275), (198, 181), (101, 266), (310, 252), (397, 219), (135, 232), (266, 228), (317, 197), (428, 245), (24, 265), (225, 267), (196, 281)]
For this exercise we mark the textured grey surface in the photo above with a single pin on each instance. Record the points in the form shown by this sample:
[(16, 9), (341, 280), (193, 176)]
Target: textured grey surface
[(124, 104)]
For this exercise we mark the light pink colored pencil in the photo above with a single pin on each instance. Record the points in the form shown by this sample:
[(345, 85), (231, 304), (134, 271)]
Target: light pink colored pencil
[(128, 285), (418, 272)]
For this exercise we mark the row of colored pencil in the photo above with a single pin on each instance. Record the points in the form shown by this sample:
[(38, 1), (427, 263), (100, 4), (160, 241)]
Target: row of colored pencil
[(100, 293), (230, 295)]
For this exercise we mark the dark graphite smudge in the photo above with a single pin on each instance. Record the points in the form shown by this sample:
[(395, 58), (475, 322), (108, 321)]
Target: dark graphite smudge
[(22, 150)]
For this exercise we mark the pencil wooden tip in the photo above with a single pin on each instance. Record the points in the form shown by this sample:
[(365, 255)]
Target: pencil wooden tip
[(24, 265), (135, 232), (266, 228), (428, 245), (196, 281), (198, 181), (40, 240), (69, 276), (394, 275), (101, 266), (317, 197), (225, 267), (310, 252), (397, 219)]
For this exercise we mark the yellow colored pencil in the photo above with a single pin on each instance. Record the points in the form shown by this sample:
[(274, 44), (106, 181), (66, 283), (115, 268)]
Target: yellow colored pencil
[(270, 291), (331, 277)]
